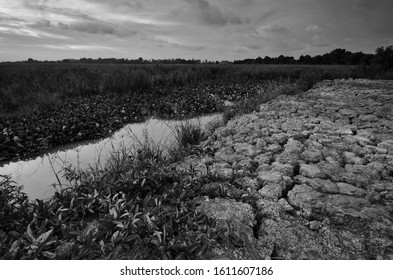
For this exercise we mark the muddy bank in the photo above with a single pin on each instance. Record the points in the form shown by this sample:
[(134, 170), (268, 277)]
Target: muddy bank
[(306, 177)]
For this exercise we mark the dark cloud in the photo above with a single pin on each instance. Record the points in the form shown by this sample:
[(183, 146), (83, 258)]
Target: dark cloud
[(279, 29), (96, 27), (245, 3), (253, 46), (91, 26), (130, 4), (265, 16), (276, 29), (41, 6), (41, 23), (4, 18), (192, 48), (162, 40), (212, 15)]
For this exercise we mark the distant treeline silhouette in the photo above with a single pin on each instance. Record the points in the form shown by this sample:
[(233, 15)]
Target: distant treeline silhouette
[(121, 61), (383, 58)]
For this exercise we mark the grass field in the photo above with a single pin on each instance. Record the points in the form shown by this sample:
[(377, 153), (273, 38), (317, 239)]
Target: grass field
[(36, 85)]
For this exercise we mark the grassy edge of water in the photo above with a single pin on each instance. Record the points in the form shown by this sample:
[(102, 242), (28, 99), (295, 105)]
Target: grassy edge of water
[(137, 206)]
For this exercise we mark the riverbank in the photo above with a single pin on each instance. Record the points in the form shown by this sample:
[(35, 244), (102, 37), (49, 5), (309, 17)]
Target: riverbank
[(307, 177)]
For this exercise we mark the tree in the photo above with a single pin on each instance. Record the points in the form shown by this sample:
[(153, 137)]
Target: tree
[(384, 57)]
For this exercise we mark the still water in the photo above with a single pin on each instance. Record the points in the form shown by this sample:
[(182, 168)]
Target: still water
[(38, 176)]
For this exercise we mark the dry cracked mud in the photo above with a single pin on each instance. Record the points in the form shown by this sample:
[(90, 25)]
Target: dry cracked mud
[(307, 177)]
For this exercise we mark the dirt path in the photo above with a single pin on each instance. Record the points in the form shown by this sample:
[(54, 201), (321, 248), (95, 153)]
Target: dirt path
[(307, 177)]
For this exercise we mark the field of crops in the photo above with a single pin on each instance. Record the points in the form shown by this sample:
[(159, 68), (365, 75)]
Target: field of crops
[(44, 105)]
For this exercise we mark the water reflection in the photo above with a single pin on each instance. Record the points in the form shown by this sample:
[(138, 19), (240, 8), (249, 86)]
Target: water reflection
[(42, 175)]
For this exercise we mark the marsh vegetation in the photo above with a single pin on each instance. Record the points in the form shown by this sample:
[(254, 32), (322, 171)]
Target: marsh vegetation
[(136, 205)]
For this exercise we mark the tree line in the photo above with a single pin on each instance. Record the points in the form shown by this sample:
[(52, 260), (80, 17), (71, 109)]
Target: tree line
[(383, 58)]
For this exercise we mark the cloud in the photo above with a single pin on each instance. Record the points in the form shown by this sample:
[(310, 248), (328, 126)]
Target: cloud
[(7, 20), (78, 47), (313, 28), (97, 27), (320, 41), (253, 46), (212, 15), (91, 26), (128, 4), (275, 29), (167, 40), (59, 9), (41, 23), (265, 16), (27, 32), (246, 2)]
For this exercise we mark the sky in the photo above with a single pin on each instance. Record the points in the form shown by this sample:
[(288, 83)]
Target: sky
[(199, 29)]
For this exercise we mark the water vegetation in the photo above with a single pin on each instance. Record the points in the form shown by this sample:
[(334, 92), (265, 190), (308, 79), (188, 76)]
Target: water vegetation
[(47, 104)]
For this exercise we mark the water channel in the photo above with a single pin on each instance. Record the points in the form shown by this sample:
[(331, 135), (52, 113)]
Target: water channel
[(38, 176)]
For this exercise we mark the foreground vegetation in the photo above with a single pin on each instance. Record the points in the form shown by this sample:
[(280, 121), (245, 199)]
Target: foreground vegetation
[(136, 207), (46, 105)]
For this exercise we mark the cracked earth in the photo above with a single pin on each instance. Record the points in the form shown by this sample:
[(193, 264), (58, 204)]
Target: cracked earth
[(307, 177)]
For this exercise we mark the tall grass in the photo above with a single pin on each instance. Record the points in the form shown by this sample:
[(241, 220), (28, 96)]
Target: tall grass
[(187, 135), (24, 85)]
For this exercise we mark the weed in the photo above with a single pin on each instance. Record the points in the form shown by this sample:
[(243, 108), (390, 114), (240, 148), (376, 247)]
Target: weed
[(188, 134)]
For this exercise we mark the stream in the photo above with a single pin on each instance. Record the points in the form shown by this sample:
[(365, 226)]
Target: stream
[(38, 176)]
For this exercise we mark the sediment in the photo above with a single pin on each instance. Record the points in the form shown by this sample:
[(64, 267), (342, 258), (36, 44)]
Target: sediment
[(307, 177)]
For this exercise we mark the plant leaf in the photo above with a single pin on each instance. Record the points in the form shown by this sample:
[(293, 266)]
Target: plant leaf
[(43, 237), (49, 255), (30, 235), (114, 237)]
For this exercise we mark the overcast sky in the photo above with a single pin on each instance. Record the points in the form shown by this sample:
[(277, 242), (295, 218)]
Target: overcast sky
[(200, 29)]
